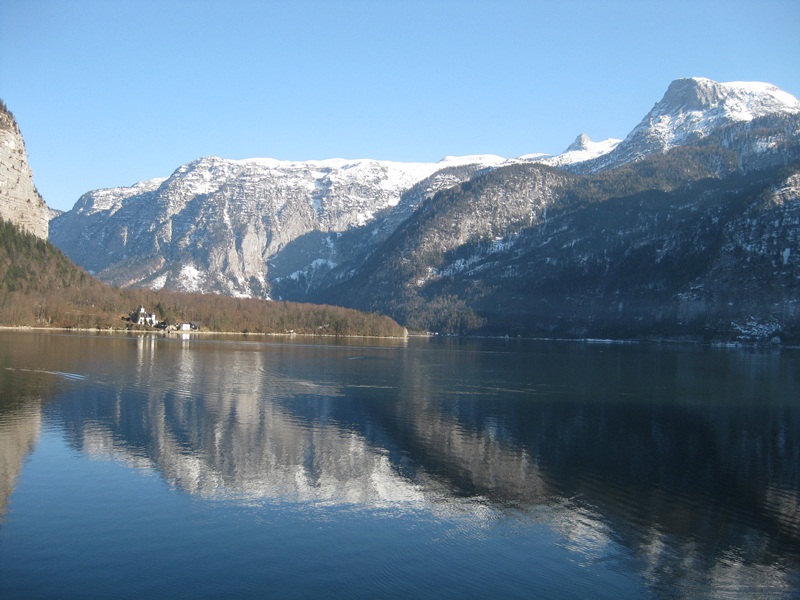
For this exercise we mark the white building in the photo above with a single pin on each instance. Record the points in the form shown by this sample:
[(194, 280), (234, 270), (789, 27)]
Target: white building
[(141, 317)]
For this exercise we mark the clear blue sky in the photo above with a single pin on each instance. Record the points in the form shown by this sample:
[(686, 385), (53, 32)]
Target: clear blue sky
[(108, 93)]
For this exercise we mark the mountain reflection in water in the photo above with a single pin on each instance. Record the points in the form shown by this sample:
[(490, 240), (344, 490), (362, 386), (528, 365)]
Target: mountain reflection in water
[(687, 457)]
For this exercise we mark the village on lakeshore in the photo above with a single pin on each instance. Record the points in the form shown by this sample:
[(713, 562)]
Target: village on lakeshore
[(141, 317)]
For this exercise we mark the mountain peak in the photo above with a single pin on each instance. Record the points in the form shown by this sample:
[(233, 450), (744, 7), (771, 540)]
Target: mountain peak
[(581, 143), (693, 93), (736, 101), (695, 107)]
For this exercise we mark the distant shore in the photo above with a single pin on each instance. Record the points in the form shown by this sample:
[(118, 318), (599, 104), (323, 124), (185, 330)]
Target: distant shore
[(204, 332), (428, 335)]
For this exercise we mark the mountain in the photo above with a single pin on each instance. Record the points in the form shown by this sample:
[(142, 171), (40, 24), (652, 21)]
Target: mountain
[(687, 227), (40, 286), (580, 151), (714, 257), (20, 202), (215, 225), (696, 108)]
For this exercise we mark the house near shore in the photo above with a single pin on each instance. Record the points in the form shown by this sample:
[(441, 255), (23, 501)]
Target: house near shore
[(142, 317)]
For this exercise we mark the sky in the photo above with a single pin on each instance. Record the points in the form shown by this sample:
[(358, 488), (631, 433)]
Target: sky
[(111, 92)]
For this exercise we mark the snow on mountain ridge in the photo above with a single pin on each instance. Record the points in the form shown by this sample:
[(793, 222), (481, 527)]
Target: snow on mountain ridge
[(393, 174), (111, 199), (738, 100), (690, 110), (581, 150), (231, 218), (207, 175), (228, 217), (692, 107)]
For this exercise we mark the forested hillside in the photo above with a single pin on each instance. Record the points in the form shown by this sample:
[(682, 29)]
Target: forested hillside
[(680, 245), (40, 287)]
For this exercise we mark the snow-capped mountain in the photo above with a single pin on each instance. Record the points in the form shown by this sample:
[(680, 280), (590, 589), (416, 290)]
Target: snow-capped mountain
[(583, 149), (214, 224), (483, 242), (693, 109)]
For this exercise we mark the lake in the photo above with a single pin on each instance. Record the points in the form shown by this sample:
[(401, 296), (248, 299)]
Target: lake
[(139, 466)]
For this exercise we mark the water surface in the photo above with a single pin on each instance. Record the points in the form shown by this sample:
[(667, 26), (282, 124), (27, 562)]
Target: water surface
[(151, 466)]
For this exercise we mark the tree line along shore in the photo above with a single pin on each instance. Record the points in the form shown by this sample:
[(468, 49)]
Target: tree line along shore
[(41, 287)]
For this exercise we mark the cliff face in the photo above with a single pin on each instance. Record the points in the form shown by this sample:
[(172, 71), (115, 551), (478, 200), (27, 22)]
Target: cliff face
[(20, 203), (231, 226)]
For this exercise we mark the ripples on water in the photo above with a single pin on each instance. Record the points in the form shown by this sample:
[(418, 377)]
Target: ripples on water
[(493, 469)]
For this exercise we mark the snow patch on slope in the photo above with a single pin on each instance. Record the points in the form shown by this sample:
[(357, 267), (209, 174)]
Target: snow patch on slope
[(191, 278)]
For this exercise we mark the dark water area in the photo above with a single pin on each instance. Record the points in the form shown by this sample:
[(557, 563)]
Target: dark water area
[(145, 466)]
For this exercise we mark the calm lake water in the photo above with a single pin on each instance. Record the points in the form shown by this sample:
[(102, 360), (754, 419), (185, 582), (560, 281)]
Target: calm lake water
[(142, 467)]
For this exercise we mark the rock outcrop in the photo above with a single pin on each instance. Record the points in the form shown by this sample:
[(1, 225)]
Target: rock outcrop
[(20, 202)]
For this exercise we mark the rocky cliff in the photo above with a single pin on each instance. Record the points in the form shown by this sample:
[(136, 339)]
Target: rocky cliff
[(20, 203), (224, 226)]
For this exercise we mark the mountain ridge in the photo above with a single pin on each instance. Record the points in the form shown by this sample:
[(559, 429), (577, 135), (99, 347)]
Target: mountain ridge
[(379, 236), (693, 108)]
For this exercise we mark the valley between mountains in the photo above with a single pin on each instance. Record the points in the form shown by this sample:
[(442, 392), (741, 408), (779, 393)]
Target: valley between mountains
[(688, 228)]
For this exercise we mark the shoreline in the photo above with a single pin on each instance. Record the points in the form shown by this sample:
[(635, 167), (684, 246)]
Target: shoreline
[(164, 333), (428, 335)]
